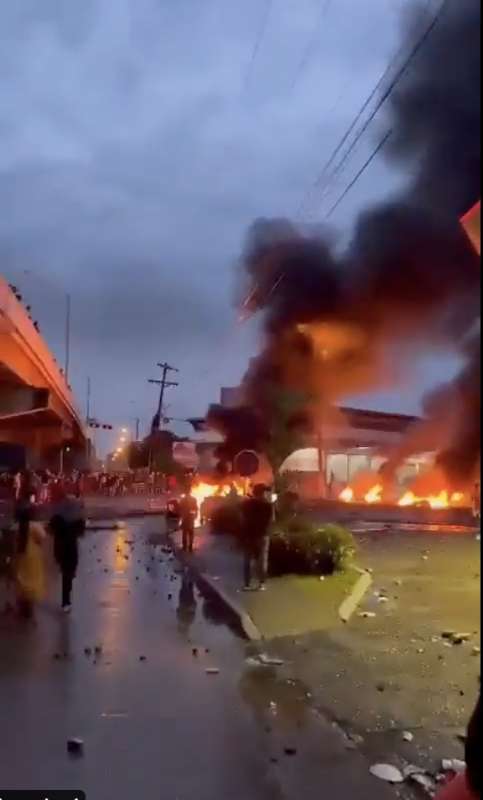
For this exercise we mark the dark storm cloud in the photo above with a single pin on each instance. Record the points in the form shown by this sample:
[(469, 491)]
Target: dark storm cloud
[(134, 152)]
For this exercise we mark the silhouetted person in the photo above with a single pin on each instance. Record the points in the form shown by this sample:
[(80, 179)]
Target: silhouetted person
[(67, 525), (257, 514), (188, 509)]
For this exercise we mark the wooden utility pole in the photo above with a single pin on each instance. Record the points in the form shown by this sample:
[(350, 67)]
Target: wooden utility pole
[(163, 384)]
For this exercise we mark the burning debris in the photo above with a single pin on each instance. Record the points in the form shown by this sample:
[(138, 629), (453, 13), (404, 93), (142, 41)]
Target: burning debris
[(336, 325), (203, 491), (429, 490)]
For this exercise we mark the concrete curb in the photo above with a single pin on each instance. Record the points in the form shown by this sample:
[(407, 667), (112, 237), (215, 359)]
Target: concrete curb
[(244, 620), (246, 623), (358, 592)]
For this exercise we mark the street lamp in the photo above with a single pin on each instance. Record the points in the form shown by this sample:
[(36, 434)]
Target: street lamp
[(50, 283)]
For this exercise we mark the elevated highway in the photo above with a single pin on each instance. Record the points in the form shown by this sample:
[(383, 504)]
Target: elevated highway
[(38, 414)]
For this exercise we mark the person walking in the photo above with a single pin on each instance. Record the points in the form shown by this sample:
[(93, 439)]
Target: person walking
[(67, 525), (29, 560), (188, 509), (257, 515)]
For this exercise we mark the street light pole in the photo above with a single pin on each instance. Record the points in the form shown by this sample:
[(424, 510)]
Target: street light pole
[(67, 337)]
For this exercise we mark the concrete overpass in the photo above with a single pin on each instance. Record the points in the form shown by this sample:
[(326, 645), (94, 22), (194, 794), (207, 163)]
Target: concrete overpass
[(37, 407)]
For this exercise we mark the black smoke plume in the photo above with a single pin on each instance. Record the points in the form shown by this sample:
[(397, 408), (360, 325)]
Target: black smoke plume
[(336, 325)]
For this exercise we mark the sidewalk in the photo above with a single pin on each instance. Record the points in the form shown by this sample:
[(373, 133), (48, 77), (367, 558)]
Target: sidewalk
[(291, 606)]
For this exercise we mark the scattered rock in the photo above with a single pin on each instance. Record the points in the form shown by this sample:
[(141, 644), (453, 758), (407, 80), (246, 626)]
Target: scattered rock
[(465, 637), (425, 781), (98, 649), (212, 671), (411, 769), (170, 596), (195, 651), (270, 661), (88, 651), (290, 751), (142, 658), (75, 746), (367, 614), (387, 772), (56, 656), (322, 578), (453, 765), (476, 651), (408, 736), (381, 687)]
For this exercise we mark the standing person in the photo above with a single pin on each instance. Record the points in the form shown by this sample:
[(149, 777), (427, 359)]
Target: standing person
[(476, 500), (67, 525), (188, 508), (29, 561), (257, 514), (172, 515)]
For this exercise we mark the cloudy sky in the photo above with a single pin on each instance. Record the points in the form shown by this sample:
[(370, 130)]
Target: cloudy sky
[(138, 140)]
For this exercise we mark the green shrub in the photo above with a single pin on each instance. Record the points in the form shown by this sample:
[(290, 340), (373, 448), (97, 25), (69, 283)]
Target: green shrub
[(304, 548)]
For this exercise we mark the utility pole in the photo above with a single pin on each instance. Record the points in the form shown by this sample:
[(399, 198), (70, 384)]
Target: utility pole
[(163, 385), (88, 400), (67, 337), (88, 415)]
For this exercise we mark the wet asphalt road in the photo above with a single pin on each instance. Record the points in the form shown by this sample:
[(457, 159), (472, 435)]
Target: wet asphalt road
[(154, 723)]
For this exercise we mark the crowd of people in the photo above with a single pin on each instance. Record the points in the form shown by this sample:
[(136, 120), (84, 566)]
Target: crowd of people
[(24, 541), (47, 484)]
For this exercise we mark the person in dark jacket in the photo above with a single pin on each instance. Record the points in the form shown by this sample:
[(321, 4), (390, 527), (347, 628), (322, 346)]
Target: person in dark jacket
[(188, 509), (257, 515), (67, 525)]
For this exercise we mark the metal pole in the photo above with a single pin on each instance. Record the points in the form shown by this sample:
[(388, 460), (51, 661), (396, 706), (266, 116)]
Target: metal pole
[(161, 394), (88, 400), (88, 415), (67, 337), (137, 429)]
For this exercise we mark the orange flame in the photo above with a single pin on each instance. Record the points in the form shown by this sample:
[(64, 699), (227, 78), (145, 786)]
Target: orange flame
[(201, 491), (374, 495), (347, 495), (437, 500)]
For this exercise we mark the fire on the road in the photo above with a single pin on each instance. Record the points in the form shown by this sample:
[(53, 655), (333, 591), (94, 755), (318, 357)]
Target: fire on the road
[(201, 491), (437, 500)]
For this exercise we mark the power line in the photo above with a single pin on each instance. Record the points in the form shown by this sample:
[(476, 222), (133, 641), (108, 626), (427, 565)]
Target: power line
[(398, 75), (260, 36), (386, 94), (361, 171)]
